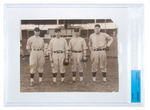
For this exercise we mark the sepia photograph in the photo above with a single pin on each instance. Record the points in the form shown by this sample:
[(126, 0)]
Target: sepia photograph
[(69, 55)]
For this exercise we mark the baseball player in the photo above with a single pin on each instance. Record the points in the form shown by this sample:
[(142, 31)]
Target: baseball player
[(99, 42), (78, 49), (58, 49), (35, 45)]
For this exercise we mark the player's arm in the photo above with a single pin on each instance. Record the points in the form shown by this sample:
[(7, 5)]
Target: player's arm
[(50, 49), (70, 49), (66, 49), (84, 48), (28, 46), (43, 44), (90, 44), (45, 48), (110, 40)]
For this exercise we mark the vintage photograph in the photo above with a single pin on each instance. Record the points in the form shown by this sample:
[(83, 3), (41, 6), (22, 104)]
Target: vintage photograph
[(69, 55)]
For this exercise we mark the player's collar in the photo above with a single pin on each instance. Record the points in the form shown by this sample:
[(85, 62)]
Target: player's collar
[(98, 34)]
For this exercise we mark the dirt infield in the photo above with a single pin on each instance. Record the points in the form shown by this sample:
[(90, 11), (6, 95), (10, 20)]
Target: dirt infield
[(112, 84)]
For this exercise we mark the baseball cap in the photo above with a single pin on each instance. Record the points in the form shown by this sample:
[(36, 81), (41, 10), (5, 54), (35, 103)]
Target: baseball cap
[(97, 25), (57, 30), (76, 29), (36, 29)]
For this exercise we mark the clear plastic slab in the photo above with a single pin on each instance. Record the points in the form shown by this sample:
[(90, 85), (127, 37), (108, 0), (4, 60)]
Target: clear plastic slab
[(129, 21)]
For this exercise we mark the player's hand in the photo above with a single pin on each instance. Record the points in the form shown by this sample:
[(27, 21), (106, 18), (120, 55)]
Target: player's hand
[(67, 59), (70, 59), (107, 48)]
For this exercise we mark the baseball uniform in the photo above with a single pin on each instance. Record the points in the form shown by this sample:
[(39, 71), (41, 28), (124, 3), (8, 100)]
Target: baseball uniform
[(58, 49), (97, 45), (78, 48), (37, 58)]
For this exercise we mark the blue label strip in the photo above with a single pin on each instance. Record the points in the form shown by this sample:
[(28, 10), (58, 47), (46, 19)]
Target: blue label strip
[(135, 86)]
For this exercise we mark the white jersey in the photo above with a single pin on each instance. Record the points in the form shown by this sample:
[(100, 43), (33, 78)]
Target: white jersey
[(100, 41), (77, 44), (58, 44), (35, 42)]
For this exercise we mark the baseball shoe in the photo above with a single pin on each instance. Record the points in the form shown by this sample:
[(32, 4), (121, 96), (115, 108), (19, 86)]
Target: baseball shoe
[(40, 80), (94, 79), (62, 79), (73, 79), (104, 79), (54, 80), (81, 78)]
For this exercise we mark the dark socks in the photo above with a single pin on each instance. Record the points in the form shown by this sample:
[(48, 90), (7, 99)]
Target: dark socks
[(54, 74), (62, 74), (73, 74), (40, 74), (104, 74), (31, 75), (94, 74), (81, 74)]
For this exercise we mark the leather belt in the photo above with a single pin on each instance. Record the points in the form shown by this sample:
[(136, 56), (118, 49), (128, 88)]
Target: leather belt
[(99, 49), (58, 51), (74, 51), (36, 49)]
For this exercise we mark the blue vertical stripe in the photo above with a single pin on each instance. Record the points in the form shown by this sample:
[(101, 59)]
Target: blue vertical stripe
[(135, 86)]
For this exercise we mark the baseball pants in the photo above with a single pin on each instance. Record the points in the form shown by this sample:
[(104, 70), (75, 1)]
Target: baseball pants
[(37, 60), (99, 58), (76, 62), (58, 59)]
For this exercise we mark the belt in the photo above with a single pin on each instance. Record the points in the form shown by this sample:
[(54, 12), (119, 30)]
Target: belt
[(99, 49), (58, 51), (36, 49), (76, 51)]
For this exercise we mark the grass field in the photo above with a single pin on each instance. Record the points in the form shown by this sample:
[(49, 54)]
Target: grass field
[(87, 85)]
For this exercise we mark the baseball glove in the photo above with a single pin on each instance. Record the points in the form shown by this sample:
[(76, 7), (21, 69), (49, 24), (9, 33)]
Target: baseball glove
[(66, 62)]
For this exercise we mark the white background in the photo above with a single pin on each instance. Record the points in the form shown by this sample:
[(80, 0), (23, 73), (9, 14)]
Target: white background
[(146, 52)]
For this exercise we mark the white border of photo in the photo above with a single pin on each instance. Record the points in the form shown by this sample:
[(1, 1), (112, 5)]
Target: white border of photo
[(129, 20)]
